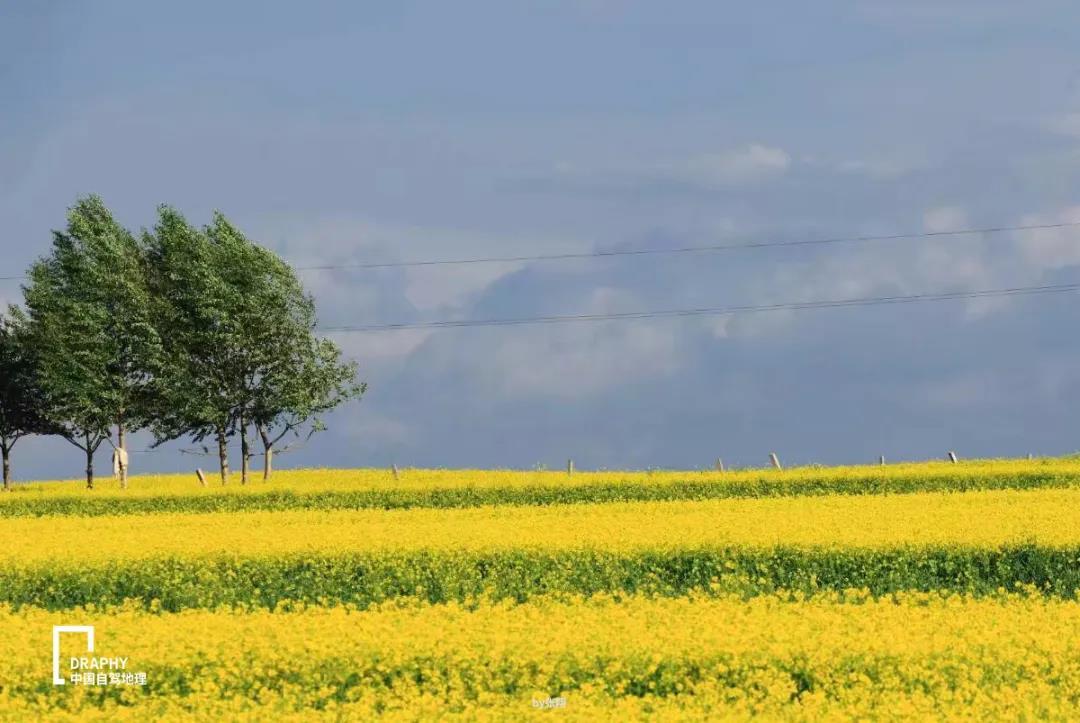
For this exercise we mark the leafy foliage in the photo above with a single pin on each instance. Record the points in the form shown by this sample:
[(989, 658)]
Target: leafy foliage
[(239, 339), (95, 344), (364, 579), (22, 401), (192, 395)]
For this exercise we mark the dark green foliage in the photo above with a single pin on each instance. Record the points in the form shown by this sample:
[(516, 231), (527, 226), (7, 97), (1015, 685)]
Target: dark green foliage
[(94, 342), (194, 394), (239, 340), (450, 497), (363, 579), (22, 400), (193, 332)]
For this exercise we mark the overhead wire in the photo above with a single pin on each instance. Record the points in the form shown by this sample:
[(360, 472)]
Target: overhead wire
[(711, 311), (655, 251), (690, 249)]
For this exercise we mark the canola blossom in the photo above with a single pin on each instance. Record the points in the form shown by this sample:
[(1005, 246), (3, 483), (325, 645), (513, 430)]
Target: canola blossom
[(379, 488), (178, 583), (1043, 517), (909, 656), (972, 542), (903, 592)]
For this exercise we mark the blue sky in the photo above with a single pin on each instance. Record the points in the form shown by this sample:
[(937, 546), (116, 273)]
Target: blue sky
[(353, 132)]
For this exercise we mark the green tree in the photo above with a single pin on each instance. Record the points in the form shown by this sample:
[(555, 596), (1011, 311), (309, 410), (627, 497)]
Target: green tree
[(97, 348), (304, 378), (191, 309), (281, 375), (22, 402), (239, 348)]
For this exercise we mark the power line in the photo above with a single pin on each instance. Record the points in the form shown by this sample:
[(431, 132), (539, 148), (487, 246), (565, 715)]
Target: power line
[(670, 251), (714, 311), (690, 249)]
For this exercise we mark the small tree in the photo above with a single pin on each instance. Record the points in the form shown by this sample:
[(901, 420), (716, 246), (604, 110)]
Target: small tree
[(22, 402), (281, 375), (91, 328), (310, 380), (191, 309), (239, 348)]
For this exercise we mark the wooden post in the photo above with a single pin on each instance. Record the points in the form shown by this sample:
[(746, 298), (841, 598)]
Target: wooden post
[(719, 465), (881, 460), (952, 457), (569, 466), (394, 467), (122, 455), (201, 476), (775, 460)]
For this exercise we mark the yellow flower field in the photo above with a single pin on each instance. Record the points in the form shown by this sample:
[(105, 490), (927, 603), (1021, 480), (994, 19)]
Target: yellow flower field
[(1046, 517), (323, 480), (918, 655), (613, 610)]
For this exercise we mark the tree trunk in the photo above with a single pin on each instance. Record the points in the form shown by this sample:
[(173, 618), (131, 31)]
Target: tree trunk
[(268, 453), (121, 443), (245, 452), (5, 451), (223, 455), (89, 464)]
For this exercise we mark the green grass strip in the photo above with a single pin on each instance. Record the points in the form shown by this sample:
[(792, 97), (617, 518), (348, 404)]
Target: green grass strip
[(92, 505), (173, 584)]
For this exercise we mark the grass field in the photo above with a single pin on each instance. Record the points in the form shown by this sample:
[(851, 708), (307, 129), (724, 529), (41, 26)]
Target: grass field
[(896, 592)]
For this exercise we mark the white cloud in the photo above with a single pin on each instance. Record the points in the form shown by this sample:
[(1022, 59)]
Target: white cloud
[(885, 167), (743, 165), (750, 164), (900, 267), (584, 359), (434, 287), (576, 359), (1051, 249), (942, 264), (377, 348), (344, 241), (945, 218), (1067, 124)]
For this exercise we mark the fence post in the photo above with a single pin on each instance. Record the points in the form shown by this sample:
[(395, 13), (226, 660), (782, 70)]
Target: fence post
[(881, 460), (569, 466), (952, 457), (775, 460)]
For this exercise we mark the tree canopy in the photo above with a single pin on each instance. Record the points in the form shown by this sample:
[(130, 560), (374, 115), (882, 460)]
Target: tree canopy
[(190, 332), (22, 401), (96, 346)]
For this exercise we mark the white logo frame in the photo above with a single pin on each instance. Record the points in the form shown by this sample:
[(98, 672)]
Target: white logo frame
[(57, 629)]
